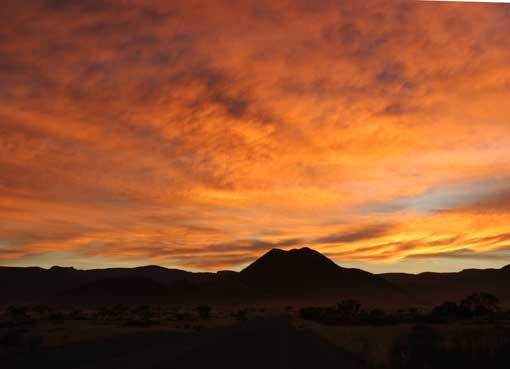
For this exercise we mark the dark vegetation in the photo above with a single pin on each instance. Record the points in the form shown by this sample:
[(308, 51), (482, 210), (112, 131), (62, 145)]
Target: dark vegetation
[(471, 333), (427, 346), (479, 307), (21, 325)]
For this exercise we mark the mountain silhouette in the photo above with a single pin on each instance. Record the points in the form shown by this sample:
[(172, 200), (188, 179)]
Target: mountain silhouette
[(291, 263), (34, 284), (117, 289), (294, 276), (431, 287), (307, 273)]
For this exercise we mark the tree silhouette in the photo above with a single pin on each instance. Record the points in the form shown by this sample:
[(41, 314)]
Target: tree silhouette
[(348, 308), (480, 303), (204, 311), (450, 309)]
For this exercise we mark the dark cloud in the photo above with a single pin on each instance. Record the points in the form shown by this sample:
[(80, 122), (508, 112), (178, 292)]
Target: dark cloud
[(499, 254), (367, 233), (497, 202), (88, 6), (394, 73), (396, 109), (353, 41), (217, 91), (254, 245), (391, 74)]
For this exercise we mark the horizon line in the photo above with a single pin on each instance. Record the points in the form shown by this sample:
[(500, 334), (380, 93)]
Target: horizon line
[(245, 265)]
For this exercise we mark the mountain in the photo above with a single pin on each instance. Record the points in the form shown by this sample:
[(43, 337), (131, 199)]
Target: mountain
[(133, 289), (293, 276), (299, 275), (304, 274), (34, 284), (437, 287)]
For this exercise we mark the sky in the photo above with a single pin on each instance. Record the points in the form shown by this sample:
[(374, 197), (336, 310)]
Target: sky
[(201, 134)]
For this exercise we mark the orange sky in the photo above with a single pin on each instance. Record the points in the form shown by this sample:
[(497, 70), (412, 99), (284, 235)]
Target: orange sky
[(199, 134)]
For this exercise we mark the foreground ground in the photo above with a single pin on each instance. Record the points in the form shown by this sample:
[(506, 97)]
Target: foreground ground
[(231, 337)]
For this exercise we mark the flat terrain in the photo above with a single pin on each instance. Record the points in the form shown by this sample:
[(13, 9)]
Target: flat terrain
[(141, 337), (270, 342)]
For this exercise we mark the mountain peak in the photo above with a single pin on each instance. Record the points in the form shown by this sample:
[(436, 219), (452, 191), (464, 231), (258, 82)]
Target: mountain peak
[(306, 272), (151, 267), (300, 251), (304, 251), (56, 268), (294, 261)]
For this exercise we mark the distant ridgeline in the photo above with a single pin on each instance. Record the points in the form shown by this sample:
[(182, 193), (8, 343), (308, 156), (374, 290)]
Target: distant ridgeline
[(300, 276)]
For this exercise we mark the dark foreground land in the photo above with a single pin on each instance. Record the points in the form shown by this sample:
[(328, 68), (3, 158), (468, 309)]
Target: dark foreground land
[(233, 337), (288, 309), (267, 343)]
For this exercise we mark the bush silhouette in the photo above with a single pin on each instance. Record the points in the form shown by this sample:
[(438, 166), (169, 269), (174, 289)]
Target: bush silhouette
[(348, 308), (204, 311), (17, 313), (311, 313), (450, 310), (34, 342), (13, 339), (476, 304), (480, 303), (241, 314)]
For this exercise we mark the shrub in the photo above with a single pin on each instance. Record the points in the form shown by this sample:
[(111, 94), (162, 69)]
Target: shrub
[(348, 308), (34, 342), (13, 339), (17, 312), (204, 311), (311, 313), (481, 303), (450, 310)]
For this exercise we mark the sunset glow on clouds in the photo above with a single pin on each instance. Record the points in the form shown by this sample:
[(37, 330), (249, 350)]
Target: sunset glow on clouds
[(199, 134)]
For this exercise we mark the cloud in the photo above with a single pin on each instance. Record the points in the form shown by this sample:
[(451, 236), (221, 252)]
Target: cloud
[(479, 194), (253, 245), (498, 202), (498, 255), (370, 232), (174, 132)]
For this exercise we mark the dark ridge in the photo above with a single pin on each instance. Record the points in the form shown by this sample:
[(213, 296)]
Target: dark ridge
[(56, 268), (226, 273), (295, 275), (151, 267), (118, 289), (432, 287)]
